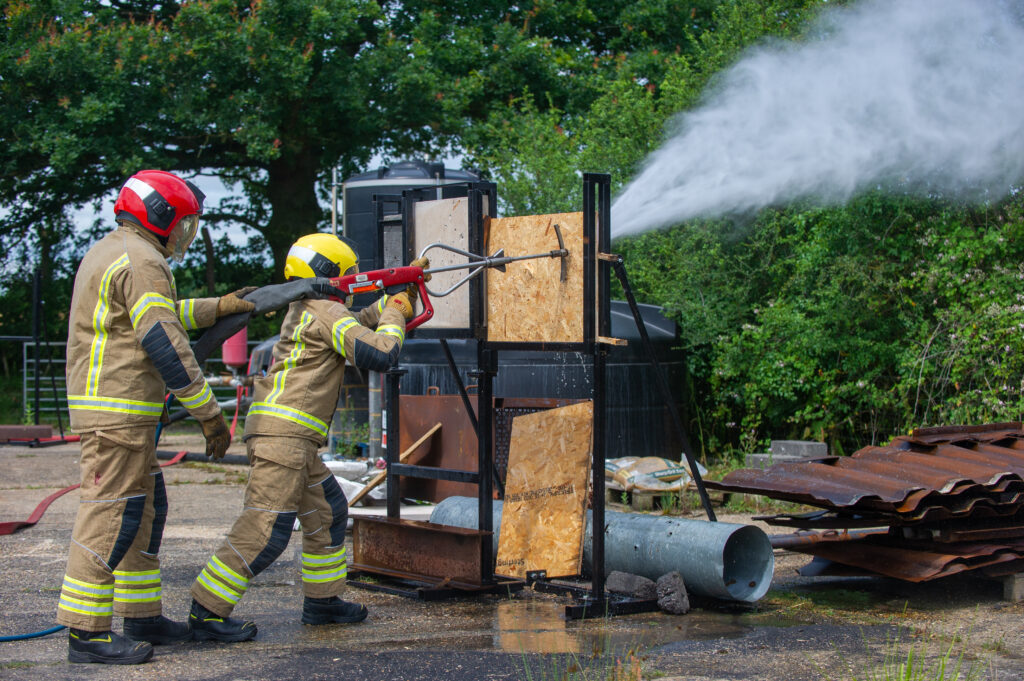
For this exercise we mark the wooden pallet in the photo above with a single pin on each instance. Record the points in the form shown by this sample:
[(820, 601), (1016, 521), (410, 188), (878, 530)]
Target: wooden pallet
[(638, 501)]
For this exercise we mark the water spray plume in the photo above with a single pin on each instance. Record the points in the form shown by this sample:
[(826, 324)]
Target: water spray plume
[(923, 96)]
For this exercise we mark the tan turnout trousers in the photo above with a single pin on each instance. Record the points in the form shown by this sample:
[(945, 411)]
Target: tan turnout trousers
[(287, 480), (113, 565)]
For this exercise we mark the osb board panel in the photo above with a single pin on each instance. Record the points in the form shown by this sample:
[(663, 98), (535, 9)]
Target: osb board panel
[(444, 221), (528, 302), (545, 508)]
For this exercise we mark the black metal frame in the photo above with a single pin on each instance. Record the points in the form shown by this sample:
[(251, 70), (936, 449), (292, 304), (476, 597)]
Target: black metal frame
[(474, 193), (485, 476), (597, 264)]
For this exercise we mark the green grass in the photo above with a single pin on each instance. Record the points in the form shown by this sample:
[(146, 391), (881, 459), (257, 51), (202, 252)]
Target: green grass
[(601, 664), (915, 660)]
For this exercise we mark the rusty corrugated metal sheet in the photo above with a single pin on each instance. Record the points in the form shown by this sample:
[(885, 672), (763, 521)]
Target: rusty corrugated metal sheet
[(948, 499), (916, 478)]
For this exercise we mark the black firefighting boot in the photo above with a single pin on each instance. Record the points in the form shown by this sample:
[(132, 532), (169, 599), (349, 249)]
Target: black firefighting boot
[(106, 647), (157, 630), (208, 626), (331, 610)]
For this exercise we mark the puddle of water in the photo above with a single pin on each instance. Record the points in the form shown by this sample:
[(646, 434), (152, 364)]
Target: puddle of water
[(540, 627), (526, 624)]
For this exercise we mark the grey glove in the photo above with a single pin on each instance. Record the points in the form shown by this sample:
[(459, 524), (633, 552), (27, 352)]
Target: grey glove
[(276, 296), (264, 299)]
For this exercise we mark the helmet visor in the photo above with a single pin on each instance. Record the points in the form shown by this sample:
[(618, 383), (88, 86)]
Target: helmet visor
[(185, 233)]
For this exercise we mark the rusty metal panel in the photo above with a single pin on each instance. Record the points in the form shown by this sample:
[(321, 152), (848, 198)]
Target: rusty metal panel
[(915, 564), (417, 550), (455, 446), (951, 499)]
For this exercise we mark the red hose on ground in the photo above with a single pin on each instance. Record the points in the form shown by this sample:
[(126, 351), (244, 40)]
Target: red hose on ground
[(12, 526)]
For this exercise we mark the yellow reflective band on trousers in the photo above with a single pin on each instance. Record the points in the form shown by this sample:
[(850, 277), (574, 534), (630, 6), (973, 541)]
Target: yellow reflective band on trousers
[(216, 578), (204, 396), (281, 375), (338, 333), (289, 414), (85, 598), (149, 300), (99, 328), (115, 404), (137, 587), (324, 568), (186, 313)]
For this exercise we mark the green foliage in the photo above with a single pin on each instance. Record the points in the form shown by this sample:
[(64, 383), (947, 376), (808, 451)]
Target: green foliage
[(847, 325)]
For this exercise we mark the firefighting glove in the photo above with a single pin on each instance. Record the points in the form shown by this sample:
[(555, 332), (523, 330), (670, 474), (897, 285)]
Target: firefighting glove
[(423, 263), (401, 302), (232, 303), (412, 290), (217, 435)]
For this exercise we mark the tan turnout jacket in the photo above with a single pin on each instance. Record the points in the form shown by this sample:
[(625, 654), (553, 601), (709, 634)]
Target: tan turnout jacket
[(300, 393), (127, 342)]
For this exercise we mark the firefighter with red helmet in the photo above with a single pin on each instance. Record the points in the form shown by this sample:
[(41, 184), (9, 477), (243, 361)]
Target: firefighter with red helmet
[(285, 426), (127, 345)]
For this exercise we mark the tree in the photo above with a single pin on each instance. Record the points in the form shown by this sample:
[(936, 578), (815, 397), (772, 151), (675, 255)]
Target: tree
[(270, 94)]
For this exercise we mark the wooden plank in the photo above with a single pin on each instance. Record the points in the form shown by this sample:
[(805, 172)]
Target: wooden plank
[(528, 302), (379, 478), (544, 514)]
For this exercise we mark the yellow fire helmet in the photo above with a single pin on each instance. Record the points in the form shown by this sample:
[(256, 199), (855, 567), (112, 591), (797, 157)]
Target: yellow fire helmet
[(320, 255)]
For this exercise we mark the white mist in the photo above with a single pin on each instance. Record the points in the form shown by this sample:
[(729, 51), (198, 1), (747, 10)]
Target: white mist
[(922, 95)]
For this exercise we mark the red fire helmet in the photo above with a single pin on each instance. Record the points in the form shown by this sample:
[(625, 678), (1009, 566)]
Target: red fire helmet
[(158, 201)]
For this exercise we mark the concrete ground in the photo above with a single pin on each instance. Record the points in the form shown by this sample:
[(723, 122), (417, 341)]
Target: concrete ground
[(803, 629)]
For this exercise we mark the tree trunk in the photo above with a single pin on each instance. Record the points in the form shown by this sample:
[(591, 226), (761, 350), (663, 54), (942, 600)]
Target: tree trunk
[(294, 207), (211, 276)]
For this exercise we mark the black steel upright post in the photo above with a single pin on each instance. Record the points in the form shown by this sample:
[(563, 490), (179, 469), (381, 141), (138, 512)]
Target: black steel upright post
[(37, 318), (591, 289), (487, 361), (393, 449), (666, 392)]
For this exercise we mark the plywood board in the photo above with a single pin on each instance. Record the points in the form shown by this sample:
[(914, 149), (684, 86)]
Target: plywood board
[(545, 508), (444, 221), (529, 302)]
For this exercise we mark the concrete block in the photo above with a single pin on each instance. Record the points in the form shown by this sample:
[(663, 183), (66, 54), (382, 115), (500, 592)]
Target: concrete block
[(765, 459), (1013, 587), (797, 449)]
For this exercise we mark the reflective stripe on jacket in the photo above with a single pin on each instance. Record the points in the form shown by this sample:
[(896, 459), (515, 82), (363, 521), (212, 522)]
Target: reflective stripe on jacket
[(127, 343), (300, 393)]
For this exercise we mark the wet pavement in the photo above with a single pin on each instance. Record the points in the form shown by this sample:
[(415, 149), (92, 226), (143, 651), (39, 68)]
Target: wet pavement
[(801, 630)]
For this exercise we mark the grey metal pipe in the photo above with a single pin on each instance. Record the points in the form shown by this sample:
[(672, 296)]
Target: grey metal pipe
[(727, 561)]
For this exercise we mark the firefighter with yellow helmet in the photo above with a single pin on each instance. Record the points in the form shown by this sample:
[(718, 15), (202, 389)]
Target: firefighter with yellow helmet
[(286, 424), (127, 345)]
